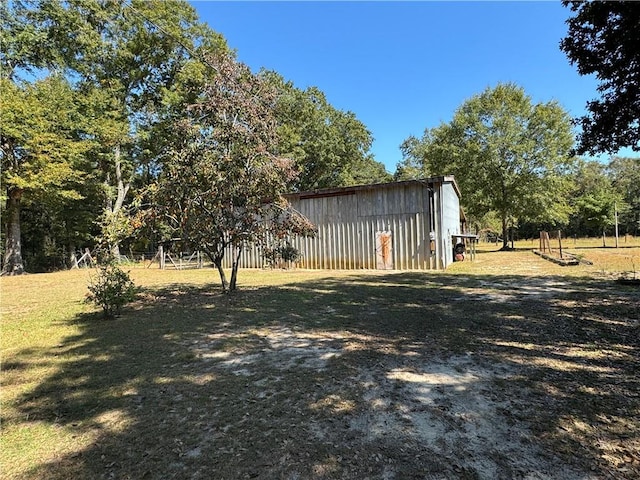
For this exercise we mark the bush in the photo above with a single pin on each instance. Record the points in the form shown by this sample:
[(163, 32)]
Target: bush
[(288, 254), (111, 290)]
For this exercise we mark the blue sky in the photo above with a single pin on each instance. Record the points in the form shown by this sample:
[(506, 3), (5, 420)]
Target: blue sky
[(402, 67)]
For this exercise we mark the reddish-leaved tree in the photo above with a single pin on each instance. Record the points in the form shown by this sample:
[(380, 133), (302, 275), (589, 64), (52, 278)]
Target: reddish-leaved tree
[(222, 183)]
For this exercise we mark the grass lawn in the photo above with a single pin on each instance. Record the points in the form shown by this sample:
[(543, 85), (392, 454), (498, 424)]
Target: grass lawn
[(507, 367)]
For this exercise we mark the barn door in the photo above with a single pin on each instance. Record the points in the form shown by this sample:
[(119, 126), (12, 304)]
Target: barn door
[(384, 251)]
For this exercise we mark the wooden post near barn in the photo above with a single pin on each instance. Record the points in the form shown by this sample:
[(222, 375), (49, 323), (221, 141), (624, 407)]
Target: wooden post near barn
[(545, 245)]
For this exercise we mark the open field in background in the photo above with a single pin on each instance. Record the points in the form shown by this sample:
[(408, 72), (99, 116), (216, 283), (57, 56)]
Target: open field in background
[(609, 261), (507, 367)]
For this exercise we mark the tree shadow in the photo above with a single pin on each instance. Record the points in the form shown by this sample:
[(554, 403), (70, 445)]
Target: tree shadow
[(368, 376)]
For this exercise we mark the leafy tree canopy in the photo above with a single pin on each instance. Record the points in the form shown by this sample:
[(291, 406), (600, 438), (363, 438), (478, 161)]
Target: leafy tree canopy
[(508, 155), (222, 183), (604, 39), (330, 147), (125, 61), (42, 150), (596, 202), (625, 180)]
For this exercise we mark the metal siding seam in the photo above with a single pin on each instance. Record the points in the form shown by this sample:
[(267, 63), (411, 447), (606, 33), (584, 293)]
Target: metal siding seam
[(326, 246), (347, 245), (412, 242), (362, 238), (396, 242), (402, 254), (396, 235), (320, 249), (331, 238), (339, 246)]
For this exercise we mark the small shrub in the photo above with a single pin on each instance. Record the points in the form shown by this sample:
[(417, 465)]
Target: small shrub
[(111, 290), (275, 256), (289, 253)]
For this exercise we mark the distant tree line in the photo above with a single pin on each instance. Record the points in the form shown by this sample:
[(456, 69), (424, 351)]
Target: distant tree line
[(516, 162), (95, 97), (128, 123)]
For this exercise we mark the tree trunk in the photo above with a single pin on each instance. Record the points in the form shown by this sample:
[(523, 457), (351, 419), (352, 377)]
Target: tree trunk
[(604, 239), (234, 270), (223, 278), (505, 239), (71, 256), (114, 208), (13, 264)]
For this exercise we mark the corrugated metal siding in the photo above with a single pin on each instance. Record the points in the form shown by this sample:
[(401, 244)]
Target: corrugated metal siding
[(347, 226), (347, 223)]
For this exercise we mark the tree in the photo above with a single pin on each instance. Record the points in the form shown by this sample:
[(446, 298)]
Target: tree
[(222, 183), (508, 155), (414, 154), (604, 39), (126, 57), (595, 199), (42, 151), (330, 147), (625, 179)]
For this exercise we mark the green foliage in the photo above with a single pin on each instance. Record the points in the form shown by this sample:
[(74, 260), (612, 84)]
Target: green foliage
[(414, 153), (115, 227), (43, 152), (595, 199), (111, 290), (41, 133), (330, 147), (604, 39), (625, 180), (508, 155), (281, 253), (87, 87)]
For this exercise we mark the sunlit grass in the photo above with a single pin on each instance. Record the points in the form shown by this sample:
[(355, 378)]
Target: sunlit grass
[(72, 382), (597, 261)]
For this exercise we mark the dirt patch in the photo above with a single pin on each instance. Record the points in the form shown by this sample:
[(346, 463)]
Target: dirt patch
[(453, 407), (413, 417)]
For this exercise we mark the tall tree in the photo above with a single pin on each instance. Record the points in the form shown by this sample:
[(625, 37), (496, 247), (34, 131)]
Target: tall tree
[(127, 57), (330, 146), (42, 151), (625, 179), (595, 199), (604, 39), (508, 155), (222, 183), (414, 154)]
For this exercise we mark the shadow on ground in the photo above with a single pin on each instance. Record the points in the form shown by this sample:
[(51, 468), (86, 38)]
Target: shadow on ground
[(407, 375)]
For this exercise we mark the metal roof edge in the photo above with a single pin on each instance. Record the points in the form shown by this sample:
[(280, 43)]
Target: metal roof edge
[(325, 192)]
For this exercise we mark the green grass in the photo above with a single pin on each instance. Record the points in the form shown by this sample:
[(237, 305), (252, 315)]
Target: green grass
[(185, 383)]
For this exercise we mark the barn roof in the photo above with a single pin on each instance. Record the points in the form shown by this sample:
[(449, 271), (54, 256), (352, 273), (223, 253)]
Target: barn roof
[(339, 191)]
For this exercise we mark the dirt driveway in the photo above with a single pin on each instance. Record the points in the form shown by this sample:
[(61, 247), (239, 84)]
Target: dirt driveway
[(432, 377)]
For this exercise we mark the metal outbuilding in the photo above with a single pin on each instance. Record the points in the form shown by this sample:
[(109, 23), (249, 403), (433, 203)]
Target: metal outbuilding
[(408, 225)]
